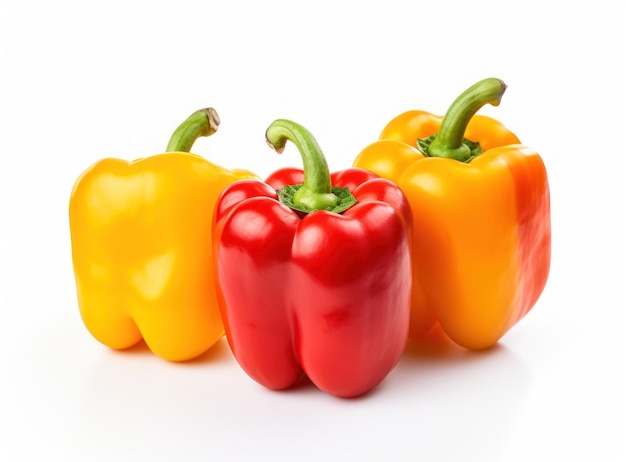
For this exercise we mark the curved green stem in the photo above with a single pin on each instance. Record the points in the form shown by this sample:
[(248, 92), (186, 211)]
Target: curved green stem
[(317, 192), (450, 142), (203, 122)]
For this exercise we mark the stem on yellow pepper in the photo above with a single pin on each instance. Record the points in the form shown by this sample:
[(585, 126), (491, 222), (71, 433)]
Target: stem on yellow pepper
[(450, 141), (203, 122), (317, 192)]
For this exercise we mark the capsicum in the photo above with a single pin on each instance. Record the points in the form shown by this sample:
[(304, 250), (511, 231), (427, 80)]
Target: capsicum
[(481, 214), (314, 272), (141, 246)]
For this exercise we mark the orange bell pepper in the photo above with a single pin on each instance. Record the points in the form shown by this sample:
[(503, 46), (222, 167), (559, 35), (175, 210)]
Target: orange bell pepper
[(142, 246), (481, 209)]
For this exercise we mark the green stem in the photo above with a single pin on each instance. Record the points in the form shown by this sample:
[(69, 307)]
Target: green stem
[(203, 122), (317, 192), (450, 141)]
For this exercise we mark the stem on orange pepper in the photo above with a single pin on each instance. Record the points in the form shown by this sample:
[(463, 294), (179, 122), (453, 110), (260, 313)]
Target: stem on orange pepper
[(450, 141), (203, 122), (317, 192)]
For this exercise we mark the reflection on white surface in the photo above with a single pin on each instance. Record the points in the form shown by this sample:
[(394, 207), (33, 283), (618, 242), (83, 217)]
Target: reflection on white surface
[(120, 405), (439, 403)]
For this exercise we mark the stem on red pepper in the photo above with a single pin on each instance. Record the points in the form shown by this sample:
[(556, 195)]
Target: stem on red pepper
[(317, 192), (203, 122), (450, 141)]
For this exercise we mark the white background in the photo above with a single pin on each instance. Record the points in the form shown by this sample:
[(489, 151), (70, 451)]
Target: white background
[(80, 81)]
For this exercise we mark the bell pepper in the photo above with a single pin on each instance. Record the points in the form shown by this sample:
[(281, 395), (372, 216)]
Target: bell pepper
[(141, 246), (481, 214), (314, 271)]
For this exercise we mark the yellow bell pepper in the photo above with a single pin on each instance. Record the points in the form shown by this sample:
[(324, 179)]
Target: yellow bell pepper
[(481, 217), (142, 246)]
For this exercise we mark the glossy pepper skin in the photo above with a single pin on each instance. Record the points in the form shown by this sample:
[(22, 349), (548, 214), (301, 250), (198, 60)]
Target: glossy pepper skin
[(482, 238), (141, 246), (314, 291)]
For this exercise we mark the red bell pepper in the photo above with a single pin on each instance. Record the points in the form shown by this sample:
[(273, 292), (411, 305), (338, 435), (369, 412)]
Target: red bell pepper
[(314, 271)]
